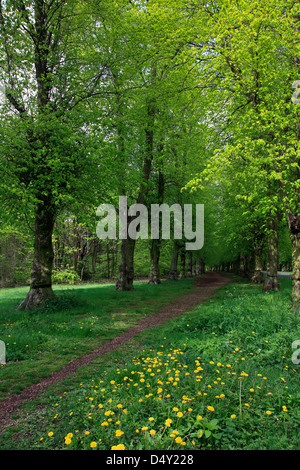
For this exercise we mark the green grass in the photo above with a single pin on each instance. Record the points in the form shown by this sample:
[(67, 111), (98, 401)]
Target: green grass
[(220, 377), (79, 320)]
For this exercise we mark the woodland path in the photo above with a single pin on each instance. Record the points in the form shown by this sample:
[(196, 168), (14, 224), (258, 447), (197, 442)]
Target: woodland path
[(203, 288)]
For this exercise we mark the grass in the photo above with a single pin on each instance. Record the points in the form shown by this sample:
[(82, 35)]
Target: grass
[(79, 320), (220, 377)]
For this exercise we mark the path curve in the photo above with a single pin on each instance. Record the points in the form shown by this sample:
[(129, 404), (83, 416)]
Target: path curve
[(203, 288)]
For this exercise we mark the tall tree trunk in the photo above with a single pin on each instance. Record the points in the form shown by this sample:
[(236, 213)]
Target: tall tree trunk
[(154, 276), (202, 266), (182, 264), (190, 264), (107, 260), (242, 271), (198, 265), (126, 269), (271, 281), (155, 244), (294, 229), (258, 276), (41, 271), (194, 268), (94, 256), (173, 270)]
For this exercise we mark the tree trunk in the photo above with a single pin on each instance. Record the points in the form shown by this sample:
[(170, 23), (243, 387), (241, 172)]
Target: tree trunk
[(41, 271), (258, 276), (126, 269), (173, 270), (94, 256), (107, 260), (271, 281), (182, 264), (190, 264), (242, 265), (154, 276), (198, 266), (294, 229), (202, 266)]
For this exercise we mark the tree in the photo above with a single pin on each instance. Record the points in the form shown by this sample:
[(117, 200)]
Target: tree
[(48, 159), (253, 49)]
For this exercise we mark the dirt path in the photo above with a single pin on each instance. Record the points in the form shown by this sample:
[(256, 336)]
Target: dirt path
[(204, 287)]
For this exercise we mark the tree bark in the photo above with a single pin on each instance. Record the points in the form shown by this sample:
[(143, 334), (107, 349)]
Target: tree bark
[(154, 276), (126, 269), (294, 229), (182, 264), (271, 281), (242, 271), (190, 264), (173, 270), (198, 266), (258, 276), (194, 269), (41, 271)]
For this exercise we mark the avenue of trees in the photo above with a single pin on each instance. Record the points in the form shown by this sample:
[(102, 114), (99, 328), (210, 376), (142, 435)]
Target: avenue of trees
[(161, 101)]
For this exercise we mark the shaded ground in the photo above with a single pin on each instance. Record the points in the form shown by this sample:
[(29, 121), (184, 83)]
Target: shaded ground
[(204, 287)]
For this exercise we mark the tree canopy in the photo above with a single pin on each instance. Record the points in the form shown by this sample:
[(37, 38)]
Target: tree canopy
[(163, 101)]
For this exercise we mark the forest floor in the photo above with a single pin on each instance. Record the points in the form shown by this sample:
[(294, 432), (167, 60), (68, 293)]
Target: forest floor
[(204, 288)]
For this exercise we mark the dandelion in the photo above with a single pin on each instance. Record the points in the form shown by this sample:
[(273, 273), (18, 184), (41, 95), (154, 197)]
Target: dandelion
[(93, 445), (210, 408), (118, 447), (233, 416), (179, 414), (119, 433), (152, 432), (168, 422), (178, 440), (50, 434), (268, 412), (68, 440)]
